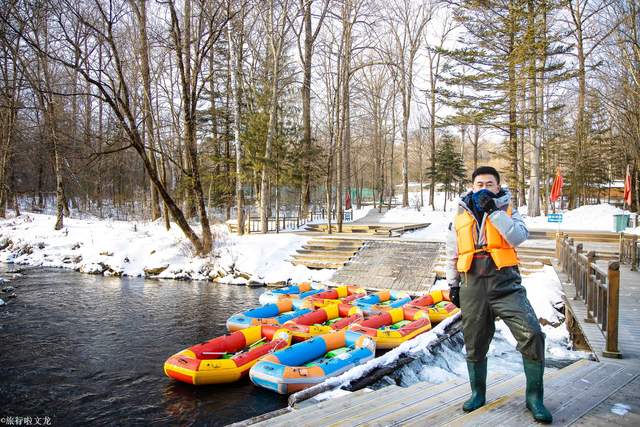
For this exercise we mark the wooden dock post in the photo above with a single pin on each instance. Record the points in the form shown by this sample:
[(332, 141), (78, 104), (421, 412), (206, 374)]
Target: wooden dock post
[(634, 253), (613, 304)]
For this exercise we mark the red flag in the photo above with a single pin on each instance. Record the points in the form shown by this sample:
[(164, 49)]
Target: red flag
[(627, 188), (347, 201), (556, 189)]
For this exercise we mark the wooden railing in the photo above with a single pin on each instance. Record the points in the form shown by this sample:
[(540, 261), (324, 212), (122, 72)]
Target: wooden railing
[(597, 288), (629, 250)]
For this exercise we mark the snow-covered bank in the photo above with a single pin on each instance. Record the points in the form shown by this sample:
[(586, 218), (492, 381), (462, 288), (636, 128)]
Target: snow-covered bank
[(147, 249)]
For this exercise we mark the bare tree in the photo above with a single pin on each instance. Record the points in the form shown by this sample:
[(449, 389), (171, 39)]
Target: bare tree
[(235, 40), (436, 62), (407, 24), (277, 28), (310, 36)]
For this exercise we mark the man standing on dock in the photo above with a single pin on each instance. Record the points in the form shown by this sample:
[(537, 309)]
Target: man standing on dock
[(485, 283)]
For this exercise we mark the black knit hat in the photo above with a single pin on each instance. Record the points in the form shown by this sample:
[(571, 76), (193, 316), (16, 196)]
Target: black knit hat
[(485, 170)]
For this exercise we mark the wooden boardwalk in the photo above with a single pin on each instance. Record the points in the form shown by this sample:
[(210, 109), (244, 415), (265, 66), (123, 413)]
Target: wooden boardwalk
[(586, 393), (629, 317), (583, 391)]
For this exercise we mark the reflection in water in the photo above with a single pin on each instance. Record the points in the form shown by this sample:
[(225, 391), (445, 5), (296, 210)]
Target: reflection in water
[(90, 349)]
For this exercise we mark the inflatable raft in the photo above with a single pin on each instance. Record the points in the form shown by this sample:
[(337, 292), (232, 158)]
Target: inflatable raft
[(437, 304), (269, 314), (310, 362), (330, 318), (227, 358), (344, 294), (382, 301), (293, 292), (391, 328)]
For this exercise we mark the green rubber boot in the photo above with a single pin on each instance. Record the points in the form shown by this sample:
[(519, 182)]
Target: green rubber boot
[(478, 382), (534, 371)]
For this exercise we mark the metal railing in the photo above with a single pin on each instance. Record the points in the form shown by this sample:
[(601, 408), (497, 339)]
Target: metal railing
[(275, 224), (322, 214), (597, 288), (283, 223)]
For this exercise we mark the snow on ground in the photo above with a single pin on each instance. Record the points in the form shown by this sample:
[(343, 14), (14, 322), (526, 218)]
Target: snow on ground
[(128, 248), (585, 218), (438, 219)]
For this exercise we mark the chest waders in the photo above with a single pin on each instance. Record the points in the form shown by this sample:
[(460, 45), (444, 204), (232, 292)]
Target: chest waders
[(487, 292)]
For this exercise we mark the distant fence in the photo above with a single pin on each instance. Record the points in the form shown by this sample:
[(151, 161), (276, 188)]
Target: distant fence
[(597, 288), (320, 214), (275, 224), (629, 250)]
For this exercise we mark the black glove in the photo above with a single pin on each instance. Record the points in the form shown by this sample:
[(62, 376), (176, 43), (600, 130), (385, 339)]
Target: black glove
[(454, 295), (483, 200)]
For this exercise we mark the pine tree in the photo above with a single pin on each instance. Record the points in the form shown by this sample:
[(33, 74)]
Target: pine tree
[(450, 171)]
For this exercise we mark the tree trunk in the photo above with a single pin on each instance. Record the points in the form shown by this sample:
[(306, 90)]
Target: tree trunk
[(306, 109), (576, 176), (513, 102), (143, 54), (533, 207), (236, 59), (432, 137), (476, 141), (264, 193)]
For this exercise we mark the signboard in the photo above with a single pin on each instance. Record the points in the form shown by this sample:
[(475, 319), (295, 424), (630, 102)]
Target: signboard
[(554, 217), (348, 216)]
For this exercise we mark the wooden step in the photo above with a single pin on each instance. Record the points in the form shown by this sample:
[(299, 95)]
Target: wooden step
[(317, 247), (344, 253), (531, 265), (319, 265), (599, 236), (546, 260), (335, 242), (325, 256)]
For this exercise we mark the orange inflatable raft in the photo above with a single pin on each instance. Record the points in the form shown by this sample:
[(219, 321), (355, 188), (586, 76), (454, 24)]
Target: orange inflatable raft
[(227, 358), (437, 304), (311, 362), (393, 327)]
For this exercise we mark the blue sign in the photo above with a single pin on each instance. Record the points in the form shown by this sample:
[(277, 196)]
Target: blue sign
[(557, 217)]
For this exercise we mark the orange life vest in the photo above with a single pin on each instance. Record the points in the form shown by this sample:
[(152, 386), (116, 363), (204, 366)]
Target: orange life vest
[(503, 254)]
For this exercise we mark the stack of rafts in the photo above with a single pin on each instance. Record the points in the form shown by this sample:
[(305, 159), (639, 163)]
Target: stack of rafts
[(304, 334)]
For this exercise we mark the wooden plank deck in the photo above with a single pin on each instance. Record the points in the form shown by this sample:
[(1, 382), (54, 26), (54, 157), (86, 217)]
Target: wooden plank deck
[(583, 392)]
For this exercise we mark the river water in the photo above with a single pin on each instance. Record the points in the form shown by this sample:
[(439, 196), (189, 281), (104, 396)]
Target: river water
[(84, 349), (89, 350)]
